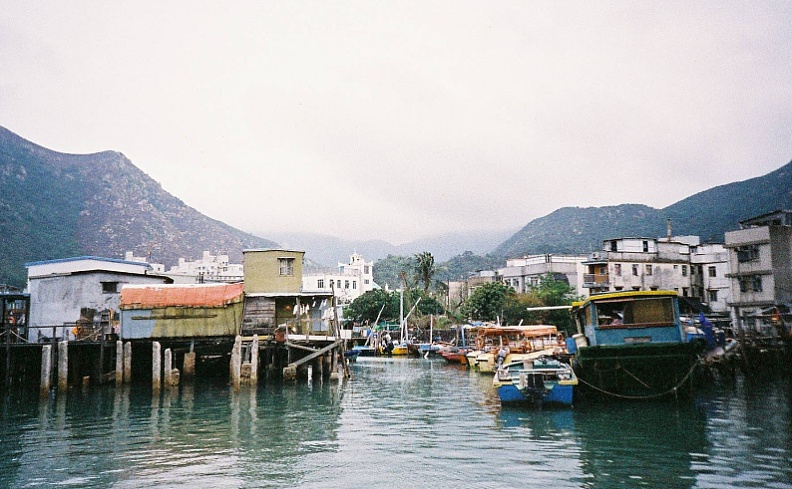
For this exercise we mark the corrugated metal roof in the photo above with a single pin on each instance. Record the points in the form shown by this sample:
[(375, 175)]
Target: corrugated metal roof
[(204, 295)]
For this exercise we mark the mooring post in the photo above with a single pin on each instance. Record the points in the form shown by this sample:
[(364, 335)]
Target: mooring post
[(63, 366), (254, 360), (127, 362), (119, 367), (46, 370), (156, 366), (236, 363)]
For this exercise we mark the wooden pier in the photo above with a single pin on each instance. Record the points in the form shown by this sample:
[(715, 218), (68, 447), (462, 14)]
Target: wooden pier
[(239, 360)]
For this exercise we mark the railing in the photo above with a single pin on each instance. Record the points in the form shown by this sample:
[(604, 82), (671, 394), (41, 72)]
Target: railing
[(595, 279)]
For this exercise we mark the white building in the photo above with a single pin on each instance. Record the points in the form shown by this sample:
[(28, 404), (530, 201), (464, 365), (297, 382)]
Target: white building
[(760, 256), (349, 281), (712, 276), (522, 274), (209, 268)]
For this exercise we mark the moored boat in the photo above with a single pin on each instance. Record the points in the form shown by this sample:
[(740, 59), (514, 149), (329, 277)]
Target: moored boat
[(543, 381), (505, 344), (631, 345)]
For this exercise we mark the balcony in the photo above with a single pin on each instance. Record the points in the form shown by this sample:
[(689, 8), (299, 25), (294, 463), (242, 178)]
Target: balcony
[(595, 280)]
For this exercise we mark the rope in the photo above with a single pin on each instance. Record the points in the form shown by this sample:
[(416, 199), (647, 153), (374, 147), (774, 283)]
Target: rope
[(672, 390)]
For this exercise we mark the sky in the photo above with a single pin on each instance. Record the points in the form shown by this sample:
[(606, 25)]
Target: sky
[(402, 120)]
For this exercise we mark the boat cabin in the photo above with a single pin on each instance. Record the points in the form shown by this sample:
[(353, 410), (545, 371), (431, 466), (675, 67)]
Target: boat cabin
[(629, 318)]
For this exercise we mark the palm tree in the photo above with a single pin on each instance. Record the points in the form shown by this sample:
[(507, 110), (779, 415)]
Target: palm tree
[(425, 268)]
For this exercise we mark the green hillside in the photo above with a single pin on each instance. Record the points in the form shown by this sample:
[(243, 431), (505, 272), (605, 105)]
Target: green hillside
[(57, 205)]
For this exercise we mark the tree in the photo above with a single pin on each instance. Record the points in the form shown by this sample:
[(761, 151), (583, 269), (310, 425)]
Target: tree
[(550, 292), (424, 269), (486, 302), (366, 307)]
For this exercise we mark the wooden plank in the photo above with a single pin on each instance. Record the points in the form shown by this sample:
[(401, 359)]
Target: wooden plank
[(316, 354)]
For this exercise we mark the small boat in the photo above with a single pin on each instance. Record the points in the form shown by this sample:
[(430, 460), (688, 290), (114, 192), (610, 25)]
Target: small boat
[(454, 354), (543, 381), (352, 354)]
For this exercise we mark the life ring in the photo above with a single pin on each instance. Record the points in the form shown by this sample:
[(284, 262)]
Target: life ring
[(480, 342)]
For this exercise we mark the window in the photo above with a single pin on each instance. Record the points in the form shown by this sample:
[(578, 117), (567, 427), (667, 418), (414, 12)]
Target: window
[(354, 285), (685, 292), (320, 283), (748, 253), (646, 246), (635, 270), (684, 270), (617, 269), (613, 246), (366, 281), (713, 295), (346, 284), (751, 283), (338, 284), (713, 272), (648, 269), (286, 267), (366, 270), (109, 287)]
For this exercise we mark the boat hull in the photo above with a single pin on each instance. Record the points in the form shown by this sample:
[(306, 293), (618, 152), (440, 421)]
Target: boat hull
[(560, 395), (636, 371)]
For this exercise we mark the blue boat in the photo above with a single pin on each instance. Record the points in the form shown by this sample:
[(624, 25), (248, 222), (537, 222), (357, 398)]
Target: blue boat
[(631, 345), (543, 381)]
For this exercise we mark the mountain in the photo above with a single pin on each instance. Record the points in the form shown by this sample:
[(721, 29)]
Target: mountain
[(57, 205), (708, 214), (328, 250)]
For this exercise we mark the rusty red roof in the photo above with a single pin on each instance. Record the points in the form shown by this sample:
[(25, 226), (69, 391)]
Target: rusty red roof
[(199, 295)]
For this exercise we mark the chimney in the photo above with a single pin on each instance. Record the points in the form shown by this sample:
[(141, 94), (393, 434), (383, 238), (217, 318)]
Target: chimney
[(668, 229)]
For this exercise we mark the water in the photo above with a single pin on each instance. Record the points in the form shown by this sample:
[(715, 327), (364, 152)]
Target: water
[(398, 423)]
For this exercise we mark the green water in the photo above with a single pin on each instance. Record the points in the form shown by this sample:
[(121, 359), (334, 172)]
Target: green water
[(397, 423)]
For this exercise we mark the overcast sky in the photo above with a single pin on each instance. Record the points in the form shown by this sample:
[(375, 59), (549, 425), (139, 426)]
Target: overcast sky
[(399, 120)]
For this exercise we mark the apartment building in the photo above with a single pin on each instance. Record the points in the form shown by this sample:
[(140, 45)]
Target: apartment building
[(760, 257)]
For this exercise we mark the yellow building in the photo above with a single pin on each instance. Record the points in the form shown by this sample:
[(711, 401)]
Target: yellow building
[(274, 297), (272, 271)]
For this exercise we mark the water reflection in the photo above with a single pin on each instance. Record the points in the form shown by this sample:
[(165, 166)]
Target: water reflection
[(398, 422)]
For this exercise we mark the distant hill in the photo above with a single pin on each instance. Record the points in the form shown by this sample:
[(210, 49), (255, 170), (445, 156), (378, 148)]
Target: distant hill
[(56, 205), (328, 250), (708, 214)]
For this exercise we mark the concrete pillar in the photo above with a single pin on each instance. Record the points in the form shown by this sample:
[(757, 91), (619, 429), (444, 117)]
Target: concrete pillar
[(188, 365), (168, 367), (254, 360), (63, 366), (46, 370), (119, 367), (236, 363), (127, 362), (156, 366)]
